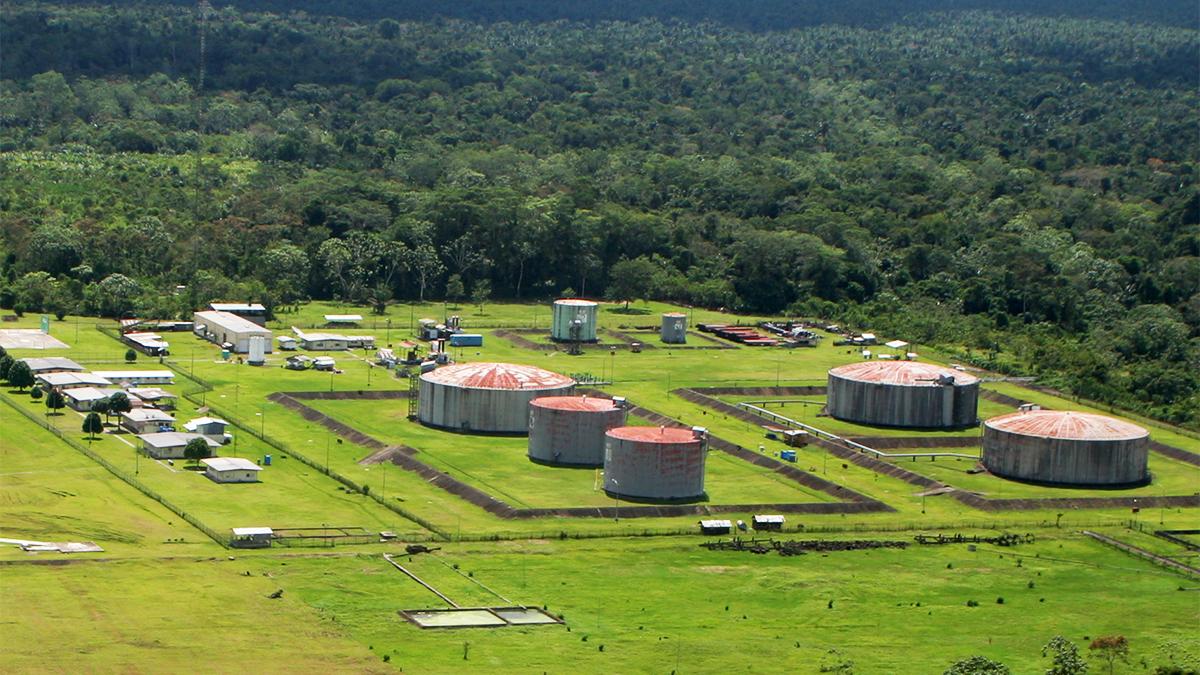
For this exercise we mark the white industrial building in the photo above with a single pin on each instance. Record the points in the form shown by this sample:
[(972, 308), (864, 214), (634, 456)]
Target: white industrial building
[(137, 377), (333, 342), (170, 444), (225, 328), (231, 470)]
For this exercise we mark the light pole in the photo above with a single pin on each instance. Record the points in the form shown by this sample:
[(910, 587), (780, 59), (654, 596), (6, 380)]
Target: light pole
[(616, 508)]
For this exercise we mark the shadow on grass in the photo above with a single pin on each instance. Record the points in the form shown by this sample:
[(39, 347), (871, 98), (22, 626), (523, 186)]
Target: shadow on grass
[(640, 311)]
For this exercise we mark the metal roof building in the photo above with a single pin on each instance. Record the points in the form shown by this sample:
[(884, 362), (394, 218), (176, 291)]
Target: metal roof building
[(569, 430), (136, 377), (903, 394), (72, 380), (487, 397), (655, 463), (231, 470), (1065, 447), (170, 444), (226, 328), (251, 311), (52, 364)]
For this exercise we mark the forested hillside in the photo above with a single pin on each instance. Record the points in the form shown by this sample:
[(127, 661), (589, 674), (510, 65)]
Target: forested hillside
[(1015, 186)]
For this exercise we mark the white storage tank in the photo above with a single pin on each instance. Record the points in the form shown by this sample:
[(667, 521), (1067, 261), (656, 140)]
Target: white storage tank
[(903, 394), (674, 328), (569, 313), (1067, 448), (486, 397), (258, 350), (569, 430), (655, 463)]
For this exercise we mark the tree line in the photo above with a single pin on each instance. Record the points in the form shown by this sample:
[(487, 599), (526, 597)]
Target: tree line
[(1019, 187)]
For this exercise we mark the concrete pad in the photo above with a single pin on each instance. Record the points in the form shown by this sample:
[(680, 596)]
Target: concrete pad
[(28, 338), (454, 618), (527, 616)]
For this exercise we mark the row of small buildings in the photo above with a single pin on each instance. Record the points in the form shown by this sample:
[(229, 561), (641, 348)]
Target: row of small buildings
[(148, 418)]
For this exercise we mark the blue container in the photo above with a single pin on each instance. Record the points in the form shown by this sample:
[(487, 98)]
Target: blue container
[(788, 455), (266, 460), (466, 340)]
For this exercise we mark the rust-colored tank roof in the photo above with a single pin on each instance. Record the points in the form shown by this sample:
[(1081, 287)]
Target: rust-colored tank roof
[(579, 403), (653, 434), (1067, 424), (907, 373), (575, 301), (497, 376)]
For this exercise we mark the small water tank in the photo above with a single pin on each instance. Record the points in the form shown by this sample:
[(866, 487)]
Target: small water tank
[(674, 328), (574, 319), (258, 350), (266, 460)]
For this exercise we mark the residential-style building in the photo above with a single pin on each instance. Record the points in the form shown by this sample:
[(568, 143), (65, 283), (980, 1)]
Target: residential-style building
[(146, 421), (231, 470), (170, 444)]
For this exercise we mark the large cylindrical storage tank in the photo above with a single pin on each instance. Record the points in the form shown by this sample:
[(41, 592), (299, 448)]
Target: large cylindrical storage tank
[(674, 328), (654, 463), (487, 397), (569, 312), (569, 430), (1062, 447), (903, 394)]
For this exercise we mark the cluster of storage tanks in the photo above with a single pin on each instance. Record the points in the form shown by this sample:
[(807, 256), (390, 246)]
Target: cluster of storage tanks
[(661, 463), (649, 463), (1041, 446)]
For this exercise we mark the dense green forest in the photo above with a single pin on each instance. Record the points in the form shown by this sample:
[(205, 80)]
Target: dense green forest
[(1016, 186)]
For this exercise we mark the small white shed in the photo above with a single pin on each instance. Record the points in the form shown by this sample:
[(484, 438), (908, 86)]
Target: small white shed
[(231, 470)]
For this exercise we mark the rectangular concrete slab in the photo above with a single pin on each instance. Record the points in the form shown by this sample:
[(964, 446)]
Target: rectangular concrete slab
[(525, 616), (28, 338), (454, 618)]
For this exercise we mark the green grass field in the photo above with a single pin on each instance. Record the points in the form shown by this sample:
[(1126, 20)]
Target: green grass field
[(655, 603), (499, 465), (50, 492)]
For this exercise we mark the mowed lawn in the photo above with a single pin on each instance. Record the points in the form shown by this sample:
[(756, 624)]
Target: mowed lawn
[(50, 492), (639, 605), (500, 465), (166, 616), (289, 493)]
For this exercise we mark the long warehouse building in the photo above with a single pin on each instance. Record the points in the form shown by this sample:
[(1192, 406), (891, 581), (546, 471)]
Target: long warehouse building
[(225, 328)]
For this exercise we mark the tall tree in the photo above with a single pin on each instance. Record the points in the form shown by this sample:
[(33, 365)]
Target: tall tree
[(92, 425), (20, 376), (54, 402)]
